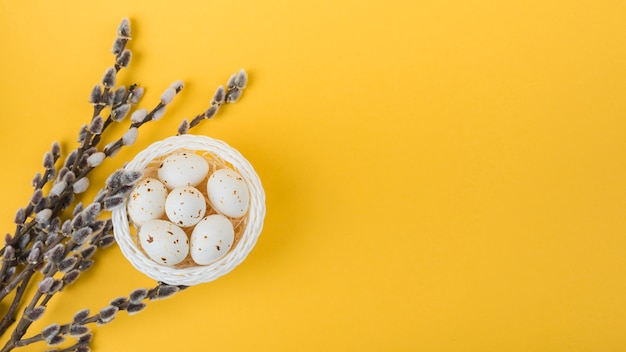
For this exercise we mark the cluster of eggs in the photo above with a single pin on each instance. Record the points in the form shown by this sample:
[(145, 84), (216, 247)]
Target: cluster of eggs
[(169, 210)]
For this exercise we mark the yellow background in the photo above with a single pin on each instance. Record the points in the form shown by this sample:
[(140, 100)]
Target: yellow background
[(440, 175)]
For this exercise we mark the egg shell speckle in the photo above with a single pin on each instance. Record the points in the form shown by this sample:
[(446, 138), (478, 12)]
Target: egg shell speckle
[(164, 242), (185, 206), (211, 239), (183, 169), (147, 201), (228, 193)]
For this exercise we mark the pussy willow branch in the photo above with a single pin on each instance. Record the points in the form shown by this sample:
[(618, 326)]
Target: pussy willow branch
[(57, 251), (63, 200), (132, 304)]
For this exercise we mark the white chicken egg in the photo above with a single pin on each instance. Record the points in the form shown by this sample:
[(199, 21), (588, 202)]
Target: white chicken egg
[(147, 201), (212, 237), (164, 242), (183, 169), (228, 193), (185, 206)]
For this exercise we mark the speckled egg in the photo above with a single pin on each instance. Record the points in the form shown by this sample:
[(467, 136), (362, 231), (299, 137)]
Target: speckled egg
[(185, 206), (211, 239), (164, 242), (183, 169), (147, 201), (228, 193)]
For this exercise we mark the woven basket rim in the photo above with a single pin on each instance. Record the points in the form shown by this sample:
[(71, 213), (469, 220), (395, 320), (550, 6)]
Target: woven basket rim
[(202, 273)]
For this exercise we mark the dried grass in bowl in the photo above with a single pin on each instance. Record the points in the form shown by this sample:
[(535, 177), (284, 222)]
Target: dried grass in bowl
[(247, 229)]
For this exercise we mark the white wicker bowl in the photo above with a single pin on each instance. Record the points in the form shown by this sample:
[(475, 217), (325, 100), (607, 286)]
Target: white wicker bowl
[(214, 151)]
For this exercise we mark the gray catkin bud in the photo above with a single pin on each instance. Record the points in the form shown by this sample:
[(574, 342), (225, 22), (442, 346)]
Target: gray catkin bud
[(58, 188), (138, 295), (107, 314), (91, 212), (48, 160), (81, 137), (106, 241), (96, 94), (51, 174), (113, 202), (9, 253), (118, 45), (35, 313), (112, 148), (98, 225), (56, 150), (219, 95), (78, 330), (196, 121), (118, 98), (120, 112), (45, 284), (83, 341), (36, 180), (115, 180), (81, 185), (139, 115), (57, 285), (44, 267), (168, 95), (55, 255), (130, 136), (124, 58), (123, 30), (33, 256), (165, 291), (134, 308), (136, 95), (183, 128), (50, 331), (77, 208), (56, 340), (38, 242), (233, 95), (68, 177), (78, 222), (96, 125), (43, 216), (130, 177), (90, 151), (108, 79), (108, 98), (88, 251), (85, 264), (241, 80), (55, 225), (231, 84), (71, 276), (119, 302), (80, 236), (81, 315), (96, 159), (71, 159), (178, 85), (156, 116), (67, 264), (66, 228), (9, 274), (211, 111), (20, 216), (63, 171)]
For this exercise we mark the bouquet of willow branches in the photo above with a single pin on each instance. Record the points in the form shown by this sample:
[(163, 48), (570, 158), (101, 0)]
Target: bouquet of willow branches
[(56, 236)]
